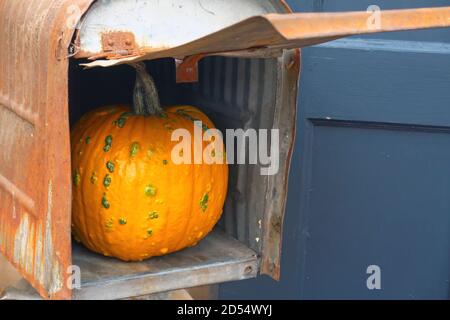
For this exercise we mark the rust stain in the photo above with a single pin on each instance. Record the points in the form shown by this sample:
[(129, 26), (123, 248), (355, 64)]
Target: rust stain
[(53, 282), (39, 271), (301, 29), (81, 54), (19, 109), (118, 40), (187, 69), (112, 55), (34, 250), (294, 64), (17, 194), (35, 188), (117, 44), (273, 228), (286, 7)]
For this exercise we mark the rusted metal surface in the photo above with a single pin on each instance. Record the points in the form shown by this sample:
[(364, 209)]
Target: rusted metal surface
[(187, 69), (34, 135), (285, 6), (8, 274), (119, 44), (285, 119), (296, 30)]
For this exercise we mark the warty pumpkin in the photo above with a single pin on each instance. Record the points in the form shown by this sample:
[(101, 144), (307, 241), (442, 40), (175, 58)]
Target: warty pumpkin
[(130, 200)]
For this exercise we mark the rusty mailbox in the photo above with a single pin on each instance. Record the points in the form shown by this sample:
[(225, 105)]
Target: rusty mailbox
[(238, 60)]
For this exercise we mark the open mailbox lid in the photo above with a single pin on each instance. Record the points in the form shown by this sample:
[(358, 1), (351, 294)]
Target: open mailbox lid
[(242, 33), (35, 180)]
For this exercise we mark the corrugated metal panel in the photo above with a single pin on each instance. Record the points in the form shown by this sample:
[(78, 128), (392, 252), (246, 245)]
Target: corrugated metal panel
[(34, 135), (253, 94), (240, 93)]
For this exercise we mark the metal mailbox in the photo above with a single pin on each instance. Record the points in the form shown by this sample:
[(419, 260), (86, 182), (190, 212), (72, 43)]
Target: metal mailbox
[(238, 60)]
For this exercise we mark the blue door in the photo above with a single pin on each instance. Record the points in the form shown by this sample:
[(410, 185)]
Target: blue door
[(368, 213)]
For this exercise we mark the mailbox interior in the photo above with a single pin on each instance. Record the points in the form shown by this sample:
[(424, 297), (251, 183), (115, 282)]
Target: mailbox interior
[(252, 91), (235, 93)]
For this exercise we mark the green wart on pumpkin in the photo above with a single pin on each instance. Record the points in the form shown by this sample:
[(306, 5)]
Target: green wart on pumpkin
[(150, 191), (105, 202), (110, 166), (76, 178), (123, 119), (204, 202), (153, 215), (107, 181), (94, 178), (134, 149), (108, 143)]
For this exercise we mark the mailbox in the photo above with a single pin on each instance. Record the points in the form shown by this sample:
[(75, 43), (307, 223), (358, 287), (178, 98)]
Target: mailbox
[(237, 60)]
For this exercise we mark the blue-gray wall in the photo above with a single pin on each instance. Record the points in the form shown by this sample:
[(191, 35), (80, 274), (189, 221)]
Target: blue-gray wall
[(370, 181)]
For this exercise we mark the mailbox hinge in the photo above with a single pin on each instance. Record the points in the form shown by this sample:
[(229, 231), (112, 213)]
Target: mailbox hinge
[(118, 44)]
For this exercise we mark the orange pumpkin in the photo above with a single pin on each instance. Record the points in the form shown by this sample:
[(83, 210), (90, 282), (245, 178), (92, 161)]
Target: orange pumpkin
[(130, 200)]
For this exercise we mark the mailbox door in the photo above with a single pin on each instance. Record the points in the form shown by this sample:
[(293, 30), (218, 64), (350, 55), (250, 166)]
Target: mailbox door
[(35, 196)]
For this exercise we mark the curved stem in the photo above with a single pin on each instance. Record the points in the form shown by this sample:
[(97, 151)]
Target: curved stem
[(145, 98)]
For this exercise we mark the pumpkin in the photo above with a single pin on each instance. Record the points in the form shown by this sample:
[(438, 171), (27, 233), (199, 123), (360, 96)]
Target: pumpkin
[(130, 200)]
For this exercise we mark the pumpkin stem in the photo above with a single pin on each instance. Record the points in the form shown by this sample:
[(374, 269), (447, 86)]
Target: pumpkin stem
[(145, 98)]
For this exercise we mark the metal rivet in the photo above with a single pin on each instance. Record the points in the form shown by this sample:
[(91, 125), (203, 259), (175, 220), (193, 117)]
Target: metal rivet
[(248, 270)]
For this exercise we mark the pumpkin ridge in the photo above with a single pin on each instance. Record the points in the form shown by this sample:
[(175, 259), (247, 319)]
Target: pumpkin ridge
[(207, 211), (76, 140), (97, 121), (185, 233), (166, 212), (101, 157), (134, 126), (209, 191)]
